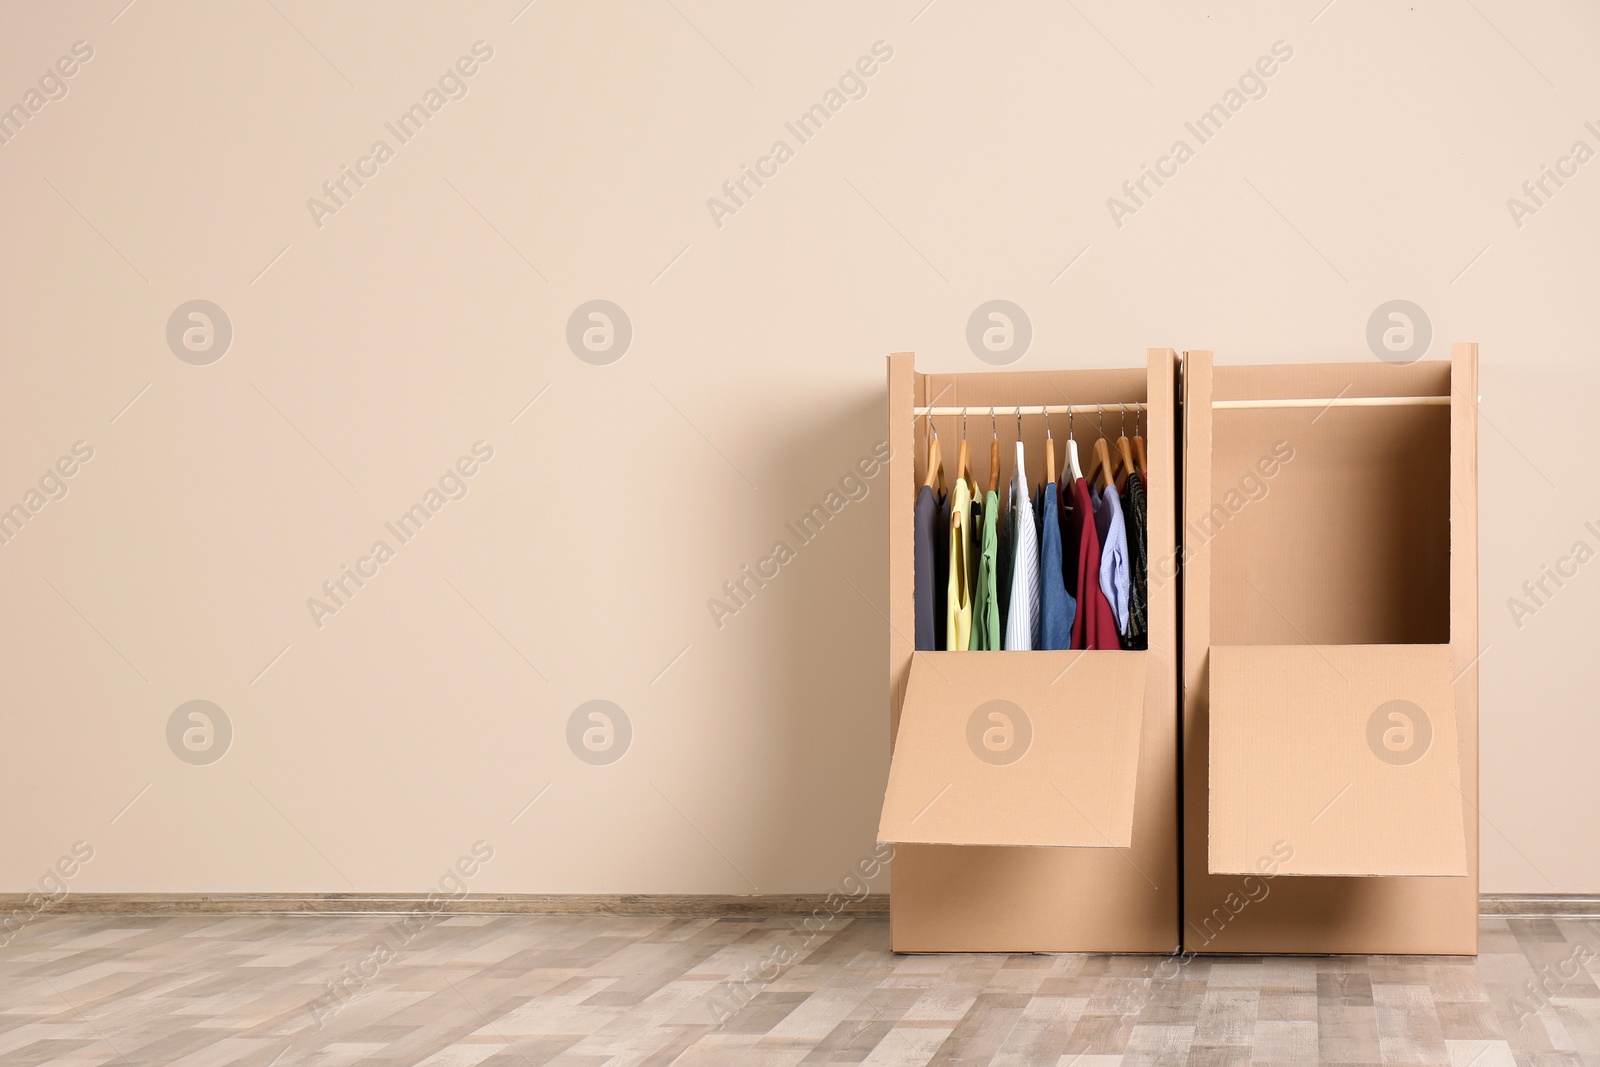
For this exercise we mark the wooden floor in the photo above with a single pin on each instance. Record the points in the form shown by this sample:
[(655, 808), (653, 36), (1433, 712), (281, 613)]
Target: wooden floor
[(505, 991)]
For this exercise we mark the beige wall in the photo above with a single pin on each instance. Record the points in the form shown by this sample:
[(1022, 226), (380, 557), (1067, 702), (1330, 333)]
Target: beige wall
[(374, 345)]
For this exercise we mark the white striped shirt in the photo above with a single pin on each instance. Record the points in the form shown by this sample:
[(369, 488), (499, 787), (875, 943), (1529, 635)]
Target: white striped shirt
[(1022, 616)]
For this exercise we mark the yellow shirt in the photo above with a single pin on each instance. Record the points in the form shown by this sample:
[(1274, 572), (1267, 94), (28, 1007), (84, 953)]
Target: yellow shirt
[(958, 611)]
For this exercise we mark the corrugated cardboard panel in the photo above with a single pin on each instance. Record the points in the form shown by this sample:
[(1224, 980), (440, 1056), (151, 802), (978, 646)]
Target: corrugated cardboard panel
[(1346, 754), (1017, 748), (906, 388), (967, 898), (1322, 914)]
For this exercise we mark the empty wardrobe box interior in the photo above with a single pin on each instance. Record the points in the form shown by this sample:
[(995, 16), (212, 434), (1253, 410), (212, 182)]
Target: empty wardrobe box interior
[(1330, 641)]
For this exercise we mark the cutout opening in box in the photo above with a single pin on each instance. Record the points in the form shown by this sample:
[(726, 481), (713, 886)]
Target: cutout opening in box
[(1329, 528), (1121, 397)]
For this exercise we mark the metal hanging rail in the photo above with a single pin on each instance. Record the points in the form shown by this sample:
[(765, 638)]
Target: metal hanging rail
[(1336, 402), (1032, 409), (1219, 405)]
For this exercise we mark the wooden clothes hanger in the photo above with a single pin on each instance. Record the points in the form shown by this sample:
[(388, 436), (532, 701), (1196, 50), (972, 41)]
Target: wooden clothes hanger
[(1072, 449), (1124, 452), (1138, 447), (935, 479), (1102, 454), (1049, 451), (1021, 474), (994, 454), (964, 459)]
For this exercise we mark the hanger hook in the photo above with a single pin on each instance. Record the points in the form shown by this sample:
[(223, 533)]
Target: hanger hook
[(1046, 409), (1100, 415), (994, 427), (1124, 409), (963, 423)]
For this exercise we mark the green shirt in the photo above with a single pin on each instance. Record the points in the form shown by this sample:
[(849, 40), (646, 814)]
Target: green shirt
[(986, 598)]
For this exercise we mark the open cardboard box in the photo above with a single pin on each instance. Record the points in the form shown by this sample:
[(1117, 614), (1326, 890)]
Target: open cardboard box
[(1330, 651), (1032, 796)]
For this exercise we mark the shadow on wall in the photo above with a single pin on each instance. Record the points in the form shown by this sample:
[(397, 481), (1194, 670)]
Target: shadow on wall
[(823, 640)]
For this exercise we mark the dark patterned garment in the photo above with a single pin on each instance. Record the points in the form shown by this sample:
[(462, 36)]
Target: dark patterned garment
[(1136, 509), (1003, 556), (932, 564)]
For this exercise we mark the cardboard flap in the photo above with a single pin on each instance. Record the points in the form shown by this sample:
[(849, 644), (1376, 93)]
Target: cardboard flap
[(1017, 748), (1343, 755)]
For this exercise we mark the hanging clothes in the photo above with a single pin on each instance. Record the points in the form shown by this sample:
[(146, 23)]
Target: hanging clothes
[(1094, 626), (932, 551), (1114, 574), (1136, 512), (1004, 564), (1056, 606), (958, 610), (986, 597), (1071, 534), (941, 571), (1022, 620), (974, 541)]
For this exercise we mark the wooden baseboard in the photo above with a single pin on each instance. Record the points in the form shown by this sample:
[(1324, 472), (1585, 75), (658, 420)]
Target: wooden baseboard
[(730, 906), (1498, 905), (1539, 905)]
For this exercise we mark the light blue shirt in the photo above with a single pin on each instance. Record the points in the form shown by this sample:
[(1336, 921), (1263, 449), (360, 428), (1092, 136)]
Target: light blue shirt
[(1116, 578)]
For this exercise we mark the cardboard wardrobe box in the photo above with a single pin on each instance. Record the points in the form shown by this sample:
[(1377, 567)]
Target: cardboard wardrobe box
[(1330, 685), (1032, 796)]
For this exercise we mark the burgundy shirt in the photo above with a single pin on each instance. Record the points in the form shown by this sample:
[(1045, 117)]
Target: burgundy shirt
[(1095, 625)]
